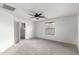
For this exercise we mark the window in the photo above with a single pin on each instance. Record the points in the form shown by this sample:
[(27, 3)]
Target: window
[(50, 28)]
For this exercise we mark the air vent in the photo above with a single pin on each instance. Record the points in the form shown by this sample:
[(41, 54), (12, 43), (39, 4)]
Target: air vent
[(8, 7)]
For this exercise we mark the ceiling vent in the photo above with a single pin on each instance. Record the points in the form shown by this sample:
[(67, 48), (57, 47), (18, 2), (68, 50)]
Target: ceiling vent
[(5, 6)]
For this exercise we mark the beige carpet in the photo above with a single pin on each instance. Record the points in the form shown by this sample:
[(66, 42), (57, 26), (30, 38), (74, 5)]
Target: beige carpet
[(41, 47)]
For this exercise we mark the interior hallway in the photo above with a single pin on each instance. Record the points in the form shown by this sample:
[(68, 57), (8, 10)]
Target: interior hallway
[(41, 47)]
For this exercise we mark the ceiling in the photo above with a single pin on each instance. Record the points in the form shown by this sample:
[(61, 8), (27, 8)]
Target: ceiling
[(50, 10)]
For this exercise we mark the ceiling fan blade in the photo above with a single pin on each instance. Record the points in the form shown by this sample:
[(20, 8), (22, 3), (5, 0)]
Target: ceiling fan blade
[(42, 16), (40, 13), (35, 18)]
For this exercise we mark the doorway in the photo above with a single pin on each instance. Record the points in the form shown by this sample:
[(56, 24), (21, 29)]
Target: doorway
[(22, 33)]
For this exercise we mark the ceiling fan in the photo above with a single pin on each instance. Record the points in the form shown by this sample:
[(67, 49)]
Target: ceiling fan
[(36, 15)]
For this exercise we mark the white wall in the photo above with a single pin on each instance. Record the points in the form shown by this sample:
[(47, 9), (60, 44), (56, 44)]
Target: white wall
[(29, 31), (16, 31), (66, 29), (78, 33), (6, 30)]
